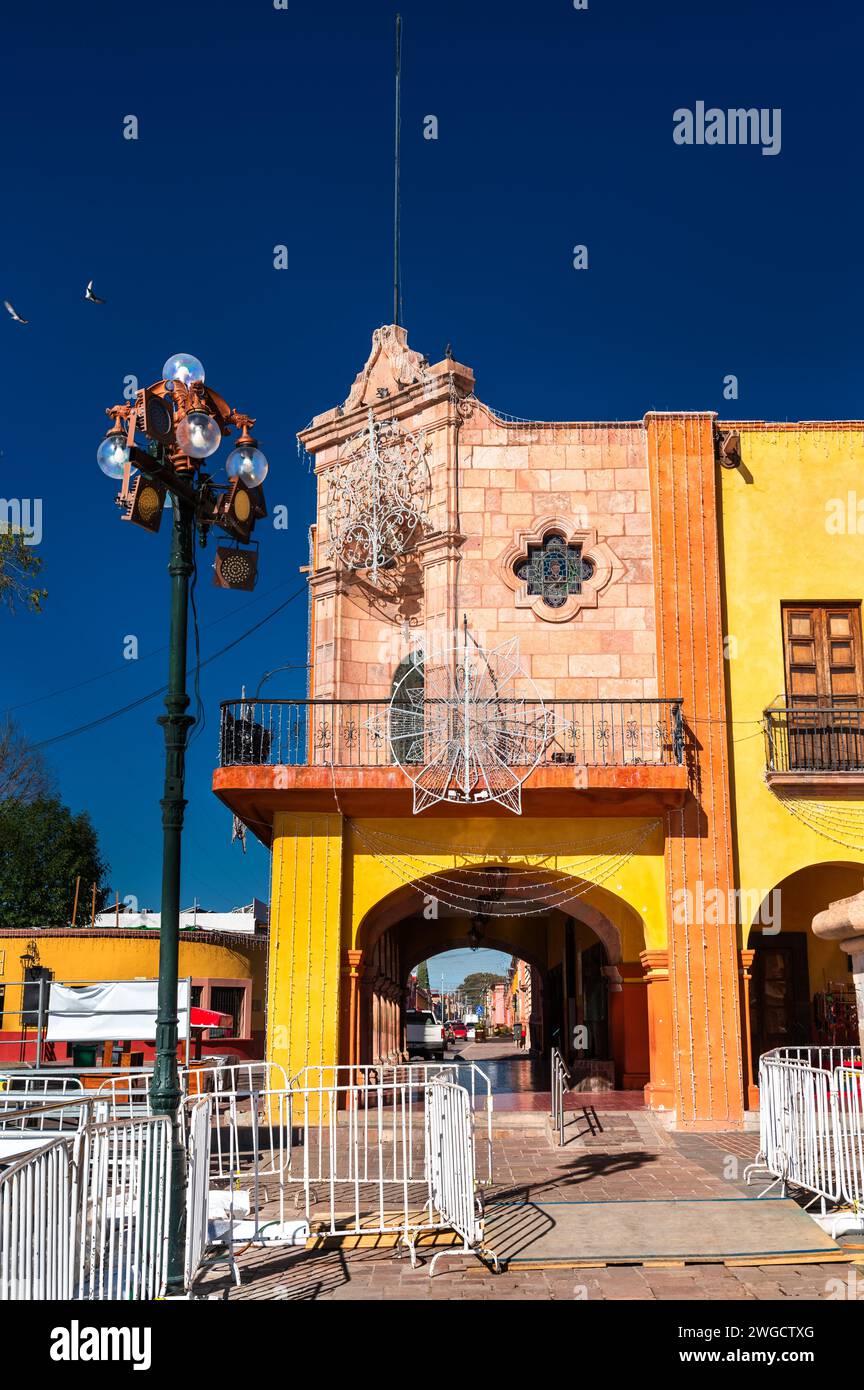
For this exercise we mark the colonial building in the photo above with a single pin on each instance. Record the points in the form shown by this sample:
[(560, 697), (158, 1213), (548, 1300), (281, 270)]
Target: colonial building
[(587, 693)]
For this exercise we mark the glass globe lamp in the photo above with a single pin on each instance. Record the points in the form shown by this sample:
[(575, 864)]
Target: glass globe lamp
[(112, 454), (198, 435), (183, 367), (247, 462)]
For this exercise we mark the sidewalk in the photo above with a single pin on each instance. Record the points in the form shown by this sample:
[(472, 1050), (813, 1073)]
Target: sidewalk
[(620, 1156)]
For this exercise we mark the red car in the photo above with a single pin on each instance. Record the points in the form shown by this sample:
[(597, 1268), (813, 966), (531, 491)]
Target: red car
[(456, 1030)]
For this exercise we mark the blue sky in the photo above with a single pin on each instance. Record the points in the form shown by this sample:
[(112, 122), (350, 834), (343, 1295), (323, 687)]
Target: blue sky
[(260, 127)]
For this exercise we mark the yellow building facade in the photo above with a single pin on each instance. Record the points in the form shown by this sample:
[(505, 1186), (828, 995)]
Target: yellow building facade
[(645, 572)]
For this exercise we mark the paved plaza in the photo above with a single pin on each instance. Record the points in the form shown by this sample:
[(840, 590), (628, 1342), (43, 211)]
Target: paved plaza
[(611, 1155)]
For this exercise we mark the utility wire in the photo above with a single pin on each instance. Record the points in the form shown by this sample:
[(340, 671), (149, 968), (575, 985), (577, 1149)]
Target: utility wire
[(142, 700), (148, 656)]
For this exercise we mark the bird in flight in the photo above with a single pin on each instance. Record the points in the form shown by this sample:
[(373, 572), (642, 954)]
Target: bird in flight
[(16, 316), (88, 294)]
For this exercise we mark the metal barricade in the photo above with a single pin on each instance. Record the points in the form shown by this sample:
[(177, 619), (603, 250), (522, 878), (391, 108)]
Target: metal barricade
[(370, 1085), (453, 1193), (798, 1135), (849, 1124), (36, 1222), (121, 1199), (87, 1216), (197, 1185), (35, 1110), (223, 1079)]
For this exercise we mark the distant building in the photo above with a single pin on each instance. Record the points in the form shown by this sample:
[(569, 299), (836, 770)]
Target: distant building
[(224, 955)]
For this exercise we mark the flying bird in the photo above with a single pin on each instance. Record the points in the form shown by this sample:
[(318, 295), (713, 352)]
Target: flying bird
[(16, 316), (88, 294)]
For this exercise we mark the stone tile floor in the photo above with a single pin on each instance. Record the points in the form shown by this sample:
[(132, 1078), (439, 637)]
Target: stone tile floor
[(616, 1156)]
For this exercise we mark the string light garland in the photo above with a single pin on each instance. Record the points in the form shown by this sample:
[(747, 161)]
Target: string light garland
[(831, 822)]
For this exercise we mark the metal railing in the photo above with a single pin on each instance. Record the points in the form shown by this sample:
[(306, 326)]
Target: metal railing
[(453, 1189), (814, 738), (197, 1185), (355, 733), (384, 1086), (810, 1122), (560, 1082), (362, 1167), (86, 1217)]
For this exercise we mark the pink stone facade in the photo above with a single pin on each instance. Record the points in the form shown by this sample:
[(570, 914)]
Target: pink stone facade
[(495, 487)]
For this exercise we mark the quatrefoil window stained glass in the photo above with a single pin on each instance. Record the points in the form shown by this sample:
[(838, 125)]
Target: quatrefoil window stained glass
[(554, 570)]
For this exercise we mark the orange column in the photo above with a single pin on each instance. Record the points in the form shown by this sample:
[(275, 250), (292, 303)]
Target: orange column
[(703, 942), (660, 1091)]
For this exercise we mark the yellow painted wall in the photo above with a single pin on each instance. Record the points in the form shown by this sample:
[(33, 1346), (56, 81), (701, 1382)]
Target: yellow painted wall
[(635, 892), (304, 977), (777, 547), (807, 894), (328, 884)]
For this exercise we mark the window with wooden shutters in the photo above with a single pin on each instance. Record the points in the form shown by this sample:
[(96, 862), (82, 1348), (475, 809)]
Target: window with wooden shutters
[(824, 685)]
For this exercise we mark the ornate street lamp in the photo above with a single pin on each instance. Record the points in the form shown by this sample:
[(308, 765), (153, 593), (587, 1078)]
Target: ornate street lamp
[(181, 423)]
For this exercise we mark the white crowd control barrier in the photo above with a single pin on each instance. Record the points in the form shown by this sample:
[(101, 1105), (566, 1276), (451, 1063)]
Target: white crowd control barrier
[(36, 1249), (849, 1123), (344, 1150), (35, 1109), (87, 1216), (405, 1083), (197, 1185), (453, 1191), (810, 1122), (362, 1156)]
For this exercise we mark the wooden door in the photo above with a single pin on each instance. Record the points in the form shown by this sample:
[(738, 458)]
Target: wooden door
[(824, 686), (779, 992)]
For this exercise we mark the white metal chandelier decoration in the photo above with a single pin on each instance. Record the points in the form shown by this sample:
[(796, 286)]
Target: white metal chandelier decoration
[(465, 735), (377, 496)]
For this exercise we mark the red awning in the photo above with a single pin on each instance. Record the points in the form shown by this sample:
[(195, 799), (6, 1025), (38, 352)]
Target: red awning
[(208, 1018)]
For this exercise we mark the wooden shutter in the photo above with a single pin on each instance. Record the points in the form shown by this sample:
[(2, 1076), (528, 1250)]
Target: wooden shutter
[(824, 686), (823, 654)]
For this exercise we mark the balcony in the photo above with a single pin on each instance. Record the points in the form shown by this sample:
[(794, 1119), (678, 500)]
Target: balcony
[(819, 745), (627, 756)]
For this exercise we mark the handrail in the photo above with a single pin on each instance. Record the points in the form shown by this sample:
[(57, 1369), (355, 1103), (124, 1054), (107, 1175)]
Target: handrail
[(356, 733), (817, 737), (560, 1081)]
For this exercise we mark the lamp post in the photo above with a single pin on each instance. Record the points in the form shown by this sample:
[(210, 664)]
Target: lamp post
[(181, 423)]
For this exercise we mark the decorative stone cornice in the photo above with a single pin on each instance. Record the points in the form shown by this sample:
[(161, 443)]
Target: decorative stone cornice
[(394, 376)]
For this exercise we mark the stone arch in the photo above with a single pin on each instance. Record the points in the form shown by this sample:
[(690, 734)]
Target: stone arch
[(395, 927)]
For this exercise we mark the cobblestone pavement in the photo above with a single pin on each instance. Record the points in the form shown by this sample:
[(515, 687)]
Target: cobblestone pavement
[(609, 1156)]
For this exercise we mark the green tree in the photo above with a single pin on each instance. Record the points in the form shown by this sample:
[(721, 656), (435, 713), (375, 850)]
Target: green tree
[(423, 976), (19, 566), (474, 987), (43, 849)]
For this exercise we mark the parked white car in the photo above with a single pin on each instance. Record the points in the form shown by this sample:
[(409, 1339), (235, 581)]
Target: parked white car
[(424, 1035)]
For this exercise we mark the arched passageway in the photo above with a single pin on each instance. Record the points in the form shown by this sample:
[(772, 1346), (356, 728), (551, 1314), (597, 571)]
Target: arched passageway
[(586, 987), (799, 986)]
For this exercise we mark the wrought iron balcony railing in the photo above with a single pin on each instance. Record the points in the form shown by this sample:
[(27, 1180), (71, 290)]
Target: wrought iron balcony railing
[(817, 737), (355, 733)]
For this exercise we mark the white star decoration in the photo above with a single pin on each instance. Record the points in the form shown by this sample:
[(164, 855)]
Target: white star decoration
[(465, 736)]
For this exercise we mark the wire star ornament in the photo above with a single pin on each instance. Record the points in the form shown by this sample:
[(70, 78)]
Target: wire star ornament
[(465, 735), (377, 496)]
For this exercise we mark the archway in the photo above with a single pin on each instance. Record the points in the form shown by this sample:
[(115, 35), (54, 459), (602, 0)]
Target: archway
[(587, 985), (799, 985)]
